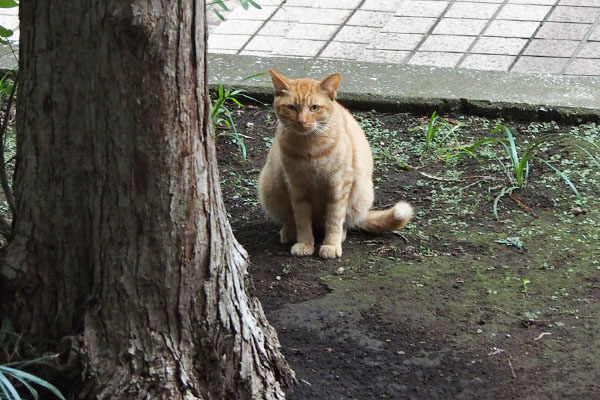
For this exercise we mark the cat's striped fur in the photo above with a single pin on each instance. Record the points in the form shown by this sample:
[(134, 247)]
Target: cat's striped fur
[(318, 173)]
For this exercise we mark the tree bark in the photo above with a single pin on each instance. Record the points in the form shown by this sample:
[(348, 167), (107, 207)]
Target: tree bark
[(123, 242)]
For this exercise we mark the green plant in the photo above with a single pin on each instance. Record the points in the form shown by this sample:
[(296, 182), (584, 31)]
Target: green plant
[(244, 3), (13, 378), (437, 131), (525, 283), (223, 118), (4, 32), (14, 381), (515, 165)]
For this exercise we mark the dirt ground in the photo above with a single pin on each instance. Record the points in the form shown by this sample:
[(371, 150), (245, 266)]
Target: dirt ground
[(458, 305)]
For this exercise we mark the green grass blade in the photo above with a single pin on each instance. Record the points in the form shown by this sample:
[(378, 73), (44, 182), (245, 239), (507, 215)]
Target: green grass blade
[(480, 143), (503, 192), (222, 5), (238, 139), (564, 177), (253, 99), (586, 151), (253, 76), (7, 388), (254, 4), (27, 386), (514, 156), (236, 101), (34, 379), (429, 131)]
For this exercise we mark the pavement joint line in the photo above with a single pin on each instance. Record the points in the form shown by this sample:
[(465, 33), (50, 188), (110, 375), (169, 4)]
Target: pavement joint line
[(332, 37), (532, 37), (581, 45), (429, 32), (279, 7), (487, 25)]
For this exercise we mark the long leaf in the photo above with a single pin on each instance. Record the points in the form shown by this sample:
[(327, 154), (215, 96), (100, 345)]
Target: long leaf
[(27, 386), (34, 379), (223, 5), (503, 192), (589, 154), (253, 76), (218, 14), (7, 388), (514, 156), (562, 175), (8, 4), (254, 4)]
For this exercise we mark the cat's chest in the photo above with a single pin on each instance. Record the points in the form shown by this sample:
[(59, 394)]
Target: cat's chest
[(314, 165)]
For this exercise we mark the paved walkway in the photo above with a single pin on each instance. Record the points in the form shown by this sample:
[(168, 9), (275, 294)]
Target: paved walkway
[(530, 36)]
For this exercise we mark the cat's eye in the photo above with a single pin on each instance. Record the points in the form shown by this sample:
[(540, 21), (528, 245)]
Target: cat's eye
[(291, 106), (315, 108)]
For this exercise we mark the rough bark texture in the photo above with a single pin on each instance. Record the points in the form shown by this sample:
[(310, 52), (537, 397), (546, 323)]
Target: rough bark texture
[(122, 237)]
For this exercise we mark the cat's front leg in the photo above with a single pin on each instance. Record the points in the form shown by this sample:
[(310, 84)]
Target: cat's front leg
[(335, 233), (305, 241)]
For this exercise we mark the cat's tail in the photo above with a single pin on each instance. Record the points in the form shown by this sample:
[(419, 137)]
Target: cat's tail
[(391, 219)]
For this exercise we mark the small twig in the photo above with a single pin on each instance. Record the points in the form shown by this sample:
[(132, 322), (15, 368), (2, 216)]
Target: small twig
[(401, 236), (524, 322), (437, 178), (521, 204), (471, 184), (512, 371), (462, 178), (541, 335)]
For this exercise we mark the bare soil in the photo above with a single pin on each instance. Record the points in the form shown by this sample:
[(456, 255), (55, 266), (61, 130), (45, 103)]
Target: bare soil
[(447, 308)]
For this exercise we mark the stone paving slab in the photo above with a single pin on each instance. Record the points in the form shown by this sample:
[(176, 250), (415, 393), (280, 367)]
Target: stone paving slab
[(559, 37)]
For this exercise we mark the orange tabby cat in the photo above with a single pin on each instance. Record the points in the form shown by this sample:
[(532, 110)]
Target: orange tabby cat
[(319, 170)]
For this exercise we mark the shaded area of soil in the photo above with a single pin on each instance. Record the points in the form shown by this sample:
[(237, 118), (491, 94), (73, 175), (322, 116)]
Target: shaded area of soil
[(449, 308)]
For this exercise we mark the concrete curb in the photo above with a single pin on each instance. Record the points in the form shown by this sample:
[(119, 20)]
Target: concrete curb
[(398, 88)]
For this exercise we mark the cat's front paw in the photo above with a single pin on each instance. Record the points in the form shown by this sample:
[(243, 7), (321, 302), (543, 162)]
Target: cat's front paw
[(330, 251), (303, 249)]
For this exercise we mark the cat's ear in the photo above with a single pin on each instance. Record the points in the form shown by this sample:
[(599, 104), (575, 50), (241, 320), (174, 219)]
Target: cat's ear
[(280, 82), (331, 85)]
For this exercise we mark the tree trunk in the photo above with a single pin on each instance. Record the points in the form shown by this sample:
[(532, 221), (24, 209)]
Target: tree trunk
[(123, 242)]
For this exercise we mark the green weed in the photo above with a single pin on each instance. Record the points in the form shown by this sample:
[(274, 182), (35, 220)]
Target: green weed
[(515, 163), (14, 381), (388, 148), (244, 3), (437, 132), (221, 115)]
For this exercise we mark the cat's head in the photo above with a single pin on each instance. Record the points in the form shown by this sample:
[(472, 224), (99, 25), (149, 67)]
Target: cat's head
[(304, 106)]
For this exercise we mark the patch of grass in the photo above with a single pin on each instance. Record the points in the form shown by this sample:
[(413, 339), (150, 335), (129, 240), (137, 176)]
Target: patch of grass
[(221, 115), (244, 3), (15, 382), (245, 188), (437, 132), (388, 147), (516, 164)]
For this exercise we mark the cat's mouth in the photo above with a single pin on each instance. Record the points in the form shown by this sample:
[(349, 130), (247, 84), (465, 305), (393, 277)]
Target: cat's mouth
[(312, 129)]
